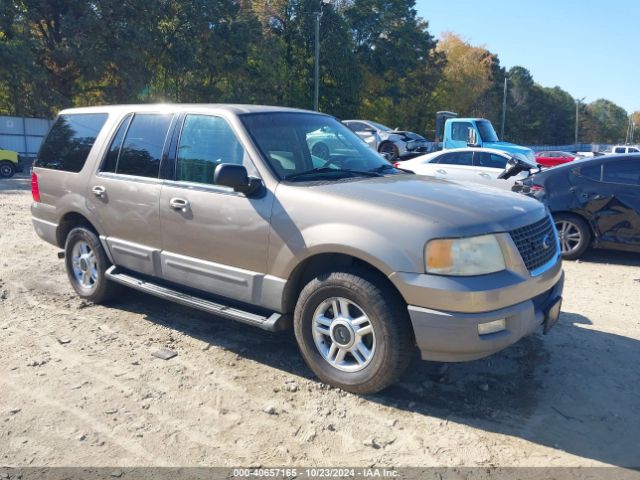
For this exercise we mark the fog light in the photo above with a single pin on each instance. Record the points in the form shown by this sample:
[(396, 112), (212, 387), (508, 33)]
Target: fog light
[(492, 327)]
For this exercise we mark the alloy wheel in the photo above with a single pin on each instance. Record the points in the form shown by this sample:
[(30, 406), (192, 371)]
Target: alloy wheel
[(570, 236), (343, 334), (84, 264)]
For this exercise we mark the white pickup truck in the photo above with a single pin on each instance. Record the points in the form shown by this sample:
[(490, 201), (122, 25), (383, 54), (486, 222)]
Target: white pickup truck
[(625, 149)]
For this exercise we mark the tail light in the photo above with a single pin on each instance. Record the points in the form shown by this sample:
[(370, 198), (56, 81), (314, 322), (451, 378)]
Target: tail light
[(35, 189), (536, 188), (396, 164)]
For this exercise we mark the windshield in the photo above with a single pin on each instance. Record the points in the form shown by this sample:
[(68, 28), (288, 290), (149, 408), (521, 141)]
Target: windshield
[(487, 133), (303, 146), (379, 126)]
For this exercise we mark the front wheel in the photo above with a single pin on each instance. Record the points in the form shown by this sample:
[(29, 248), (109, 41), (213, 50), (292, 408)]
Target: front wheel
[(574, 235), (351, 333), (87, 263), (390, 150), (7, 169)]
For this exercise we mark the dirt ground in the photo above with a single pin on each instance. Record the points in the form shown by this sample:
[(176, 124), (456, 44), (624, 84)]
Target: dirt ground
[(79, 386)]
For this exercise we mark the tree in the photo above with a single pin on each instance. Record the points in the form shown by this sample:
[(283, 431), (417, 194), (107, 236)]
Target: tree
[(466, 77), (400, 67), (605, 122)]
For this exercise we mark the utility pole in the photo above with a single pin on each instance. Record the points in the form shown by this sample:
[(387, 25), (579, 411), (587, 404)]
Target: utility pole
[(316, 70), (316, 66), (504, 109), (627, 138), (578, 100)]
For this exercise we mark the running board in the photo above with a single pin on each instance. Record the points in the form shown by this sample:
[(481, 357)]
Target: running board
[(272, 323)]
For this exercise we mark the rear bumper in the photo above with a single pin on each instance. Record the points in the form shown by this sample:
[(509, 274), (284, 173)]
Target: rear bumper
[(45, 230), (453, 337)]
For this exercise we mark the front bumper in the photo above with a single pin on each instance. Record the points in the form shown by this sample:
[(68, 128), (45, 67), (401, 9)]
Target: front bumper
[(412, 149), (20, 164), (453, 336)]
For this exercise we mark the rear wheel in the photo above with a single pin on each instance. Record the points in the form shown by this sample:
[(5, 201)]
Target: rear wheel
[(574, 235), (86, 263), (7, 169), (351, 333)]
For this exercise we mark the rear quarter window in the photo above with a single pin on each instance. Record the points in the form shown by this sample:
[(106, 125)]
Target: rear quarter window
[(593, 172), (70, 140)]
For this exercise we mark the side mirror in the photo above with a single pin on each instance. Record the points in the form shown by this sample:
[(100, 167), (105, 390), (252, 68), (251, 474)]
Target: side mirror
[(236, 177), (472, 138), (514, 167)]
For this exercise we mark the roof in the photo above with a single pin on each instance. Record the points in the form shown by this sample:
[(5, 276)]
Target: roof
[(237, 109)]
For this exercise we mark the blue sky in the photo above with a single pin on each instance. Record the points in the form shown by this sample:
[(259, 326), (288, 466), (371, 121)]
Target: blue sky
[(590, 48)]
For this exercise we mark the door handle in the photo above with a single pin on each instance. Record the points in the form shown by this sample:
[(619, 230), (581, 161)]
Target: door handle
[(179, 204), (592, 196), (444, 172), (99, 191), (484, 174)]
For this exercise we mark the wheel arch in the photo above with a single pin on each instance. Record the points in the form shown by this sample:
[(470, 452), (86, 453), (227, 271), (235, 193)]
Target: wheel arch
[(580, 215), (68, 222), (386, 142), (328, 262)]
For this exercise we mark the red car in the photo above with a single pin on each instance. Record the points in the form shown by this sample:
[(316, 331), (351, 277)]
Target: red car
[(551, 159)]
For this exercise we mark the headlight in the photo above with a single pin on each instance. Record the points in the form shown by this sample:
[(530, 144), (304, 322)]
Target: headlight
[(464, 256)]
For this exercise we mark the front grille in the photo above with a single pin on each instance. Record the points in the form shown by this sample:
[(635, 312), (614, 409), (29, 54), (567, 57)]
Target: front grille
[(536, 243)]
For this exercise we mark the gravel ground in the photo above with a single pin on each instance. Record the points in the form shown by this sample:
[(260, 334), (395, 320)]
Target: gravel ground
[(79, 384)]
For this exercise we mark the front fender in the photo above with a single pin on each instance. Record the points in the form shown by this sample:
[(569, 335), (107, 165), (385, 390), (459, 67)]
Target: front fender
[(367, 245)]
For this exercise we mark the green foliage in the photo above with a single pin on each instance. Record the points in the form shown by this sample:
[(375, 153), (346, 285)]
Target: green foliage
[(378, 61)]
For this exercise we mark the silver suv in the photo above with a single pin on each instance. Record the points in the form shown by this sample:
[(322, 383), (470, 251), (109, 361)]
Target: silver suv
[(224, 208)]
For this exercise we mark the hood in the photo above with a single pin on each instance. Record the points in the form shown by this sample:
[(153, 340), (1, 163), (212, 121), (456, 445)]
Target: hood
[(512, 148), (452, 208), (406, 134)]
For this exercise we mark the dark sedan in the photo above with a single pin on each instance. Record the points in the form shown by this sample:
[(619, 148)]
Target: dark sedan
[(595, 202)]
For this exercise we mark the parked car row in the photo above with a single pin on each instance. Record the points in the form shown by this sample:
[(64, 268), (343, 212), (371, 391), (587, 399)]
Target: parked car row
[(595, 201)]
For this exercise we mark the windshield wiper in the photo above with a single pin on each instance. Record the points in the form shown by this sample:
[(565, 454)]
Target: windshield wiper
[(382, 168), (322, 170)]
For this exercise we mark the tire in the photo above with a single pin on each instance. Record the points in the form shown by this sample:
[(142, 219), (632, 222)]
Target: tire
[(390, 344), (93, 262), (391, 149), (7, 169), (575, 235), (321, 150)]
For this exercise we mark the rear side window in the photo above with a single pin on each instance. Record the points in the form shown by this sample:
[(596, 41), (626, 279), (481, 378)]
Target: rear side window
[(111, 161), (623, 171), (457, 158), (70, 140), (593, 172), (136, 148)]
